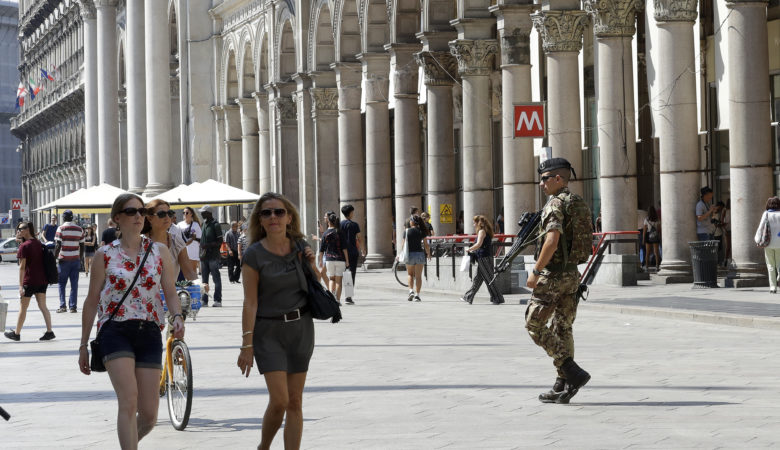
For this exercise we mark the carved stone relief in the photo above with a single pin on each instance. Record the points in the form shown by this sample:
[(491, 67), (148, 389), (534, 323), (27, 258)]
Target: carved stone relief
[(440, 68), (561, 31), (324, 99), (675, 10), (613, 18), (475, 57)]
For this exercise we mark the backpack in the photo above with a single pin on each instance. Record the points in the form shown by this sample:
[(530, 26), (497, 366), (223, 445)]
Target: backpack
[(652, 234), (50, 266), (578, 229)]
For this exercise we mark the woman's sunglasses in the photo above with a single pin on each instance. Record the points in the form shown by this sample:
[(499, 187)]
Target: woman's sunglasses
[(162, 214), (278, 212), (133, 211)]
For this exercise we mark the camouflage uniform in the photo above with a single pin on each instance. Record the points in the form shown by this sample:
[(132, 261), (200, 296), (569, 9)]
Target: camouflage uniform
[(555, 293)]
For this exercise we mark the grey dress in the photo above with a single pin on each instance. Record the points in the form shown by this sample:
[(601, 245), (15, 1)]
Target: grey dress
[(279, 345)]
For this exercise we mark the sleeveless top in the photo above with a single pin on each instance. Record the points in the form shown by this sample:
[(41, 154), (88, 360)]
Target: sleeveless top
[(144, 301), (486, 249)]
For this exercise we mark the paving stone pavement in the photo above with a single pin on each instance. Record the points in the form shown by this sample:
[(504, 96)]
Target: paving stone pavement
[(429, 375)]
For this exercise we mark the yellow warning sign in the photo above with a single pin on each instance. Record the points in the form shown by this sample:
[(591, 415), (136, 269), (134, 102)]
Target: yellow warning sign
[(445, 213)]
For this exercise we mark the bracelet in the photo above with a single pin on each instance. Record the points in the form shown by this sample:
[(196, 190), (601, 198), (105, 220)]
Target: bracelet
[(247, 333), (82, 346), (246, 346), (173, 318)]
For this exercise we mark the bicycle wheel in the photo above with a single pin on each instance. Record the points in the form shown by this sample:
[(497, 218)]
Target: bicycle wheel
[(180, 386), (395, 272)]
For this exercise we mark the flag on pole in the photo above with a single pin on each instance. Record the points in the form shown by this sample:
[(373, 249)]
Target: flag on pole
[(34, 89), (45, 75), (21, 92), (55, 72)]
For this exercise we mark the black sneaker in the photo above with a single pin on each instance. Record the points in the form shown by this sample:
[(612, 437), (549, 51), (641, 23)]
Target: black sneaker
[(217, 305), (47, 336), (12, 335), (62, 309), (73, 310), (417, 298), (350, 301), (411, 296)]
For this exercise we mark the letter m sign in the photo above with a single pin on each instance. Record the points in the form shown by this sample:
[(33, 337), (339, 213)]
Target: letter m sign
[(16, 203), (529, 120)]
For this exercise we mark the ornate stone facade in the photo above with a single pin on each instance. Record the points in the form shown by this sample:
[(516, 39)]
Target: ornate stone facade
[(675, 10), (440, 68), (475, 57), (561, 31), (613, 18)]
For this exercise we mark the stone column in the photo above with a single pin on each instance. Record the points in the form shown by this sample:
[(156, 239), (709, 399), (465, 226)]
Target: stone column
[(108, 102), (307, 171), (324, 113), (91, 135), (561, 33), (441, 71), (286, 142), (263, 143), (136, 97), (475, 63), (219, 127), (520, 189), (675, 123), (379, 250), (123, 172), (750, 145), (406, 120), (352, 168), (233, 146), (158, 97), (614, 27), (249, 145)]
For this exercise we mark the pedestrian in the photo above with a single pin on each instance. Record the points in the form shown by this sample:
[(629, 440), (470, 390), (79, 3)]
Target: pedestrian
[(333, 248), (32, 280), (705, 212), (49, 231), (482, 253), (110, 234), (771, 218), (459, 223), (69, 250), (725, 219), (427, 220), (500, 222), (90, 245), (717, 234), (233, 263), (131, 343), (418, 250), (278, 330), (191, 229), (351, 232), (651, 230), (555, 279), (159, 226), (243, 242), (210, 241), (641, 215)]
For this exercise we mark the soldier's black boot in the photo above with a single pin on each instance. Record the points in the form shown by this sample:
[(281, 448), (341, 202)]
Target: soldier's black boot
[(576, 377), (556, 391)]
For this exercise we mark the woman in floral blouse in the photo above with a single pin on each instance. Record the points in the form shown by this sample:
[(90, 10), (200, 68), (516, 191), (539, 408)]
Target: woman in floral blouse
[(132, 341)]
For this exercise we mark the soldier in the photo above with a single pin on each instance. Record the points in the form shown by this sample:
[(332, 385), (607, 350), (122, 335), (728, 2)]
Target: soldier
[(565, 240)]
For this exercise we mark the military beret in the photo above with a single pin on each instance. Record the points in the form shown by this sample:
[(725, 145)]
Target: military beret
[(552, 164)]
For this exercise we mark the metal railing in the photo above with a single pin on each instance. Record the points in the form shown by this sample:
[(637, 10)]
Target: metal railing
[(455, 244)]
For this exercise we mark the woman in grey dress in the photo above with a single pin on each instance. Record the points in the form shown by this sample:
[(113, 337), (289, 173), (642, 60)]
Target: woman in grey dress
[(278, 332)]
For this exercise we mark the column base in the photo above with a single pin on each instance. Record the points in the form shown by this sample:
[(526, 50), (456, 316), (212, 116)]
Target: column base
[(616, 270), (674, 272), (747, 275), (156, 189), (378, 261)]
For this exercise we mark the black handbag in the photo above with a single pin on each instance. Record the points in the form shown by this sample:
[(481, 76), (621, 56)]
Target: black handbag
[(322, 303), (96, 359)]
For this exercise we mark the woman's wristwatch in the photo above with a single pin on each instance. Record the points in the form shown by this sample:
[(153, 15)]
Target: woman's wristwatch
[(173, 318), (536, 272)]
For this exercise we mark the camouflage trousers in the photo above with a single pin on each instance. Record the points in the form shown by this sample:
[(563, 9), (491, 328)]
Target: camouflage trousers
[(551, 313)]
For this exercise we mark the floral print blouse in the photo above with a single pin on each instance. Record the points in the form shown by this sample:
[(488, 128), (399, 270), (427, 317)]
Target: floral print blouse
[(144, 301)]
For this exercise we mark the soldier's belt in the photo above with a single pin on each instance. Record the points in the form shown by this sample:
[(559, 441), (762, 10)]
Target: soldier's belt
[(560, 267)]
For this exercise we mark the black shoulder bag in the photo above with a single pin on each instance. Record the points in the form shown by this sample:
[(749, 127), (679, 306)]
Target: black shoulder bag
[(96, 361), (322, 304)]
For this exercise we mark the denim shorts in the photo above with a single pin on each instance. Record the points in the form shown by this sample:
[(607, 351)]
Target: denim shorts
[(137, 339), (415, 258)]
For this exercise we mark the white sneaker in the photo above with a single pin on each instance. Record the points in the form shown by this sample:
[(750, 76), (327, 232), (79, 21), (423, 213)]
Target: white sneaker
[(773, 290), (411, 296)]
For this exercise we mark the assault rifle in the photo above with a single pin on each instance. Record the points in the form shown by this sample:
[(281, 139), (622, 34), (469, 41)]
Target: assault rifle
[(528, 224)]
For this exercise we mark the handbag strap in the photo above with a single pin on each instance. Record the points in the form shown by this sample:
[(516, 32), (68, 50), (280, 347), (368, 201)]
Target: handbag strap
[(132, 283)]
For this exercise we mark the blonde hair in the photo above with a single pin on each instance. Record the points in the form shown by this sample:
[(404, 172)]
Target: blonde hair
[(256, 230), (484, 224)]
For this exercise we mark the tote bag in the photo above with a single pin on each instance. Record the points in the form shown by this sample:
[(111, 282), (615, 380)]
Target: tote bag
[(403, 255)]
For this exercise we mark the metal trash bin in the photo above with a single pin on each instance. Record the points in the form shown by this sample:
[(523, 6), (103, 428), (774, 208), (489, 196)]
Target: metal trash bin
[(704, 259)]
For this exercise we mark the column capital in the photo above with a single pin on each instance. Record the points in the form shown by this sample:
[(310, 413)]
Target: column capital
[(561, 31), (260, 96), (324, 99), (244, 102), (440, 68), (675, 10), (613, 18), (87, 9), (475, 57), (106, 3), (285, 109)]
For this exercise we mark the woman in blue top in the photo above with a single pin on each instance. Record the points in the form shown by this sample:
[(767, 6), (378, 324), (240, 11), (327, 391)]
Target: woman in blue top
[(334, 246)]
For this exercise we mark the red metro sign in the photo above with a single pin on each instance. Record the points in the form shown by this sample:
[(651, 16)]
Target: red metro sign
[(529, 120), (16, 204)]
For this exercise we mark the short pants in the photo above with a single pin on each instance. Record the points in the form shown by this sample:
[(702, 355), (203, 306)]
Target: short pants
[(137, 339), (335, 268), (32, 289)]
